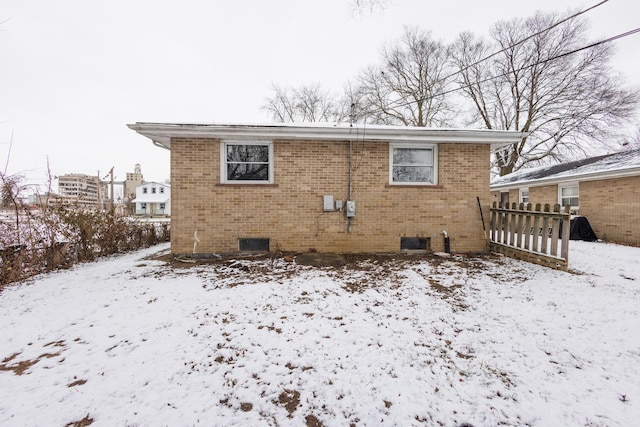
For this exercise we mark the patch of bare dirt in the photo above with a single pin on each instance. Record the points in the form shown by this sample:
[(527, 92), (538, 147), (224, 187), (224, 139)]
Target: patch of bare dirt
[(313, 421), (231, 270), (290, 399), (76, 383), (19, 368), (86, 421)]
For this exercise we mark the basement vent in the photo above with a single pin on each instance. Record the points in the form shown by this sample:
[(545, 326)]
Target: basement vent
[(253, 245), (415, 243)]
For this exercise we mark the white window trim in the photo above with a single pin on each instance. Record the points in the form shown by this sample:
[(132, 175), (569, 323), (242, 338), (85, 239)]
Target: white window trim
[(522, 190), (223, 162), (433, 147), (567, 185)]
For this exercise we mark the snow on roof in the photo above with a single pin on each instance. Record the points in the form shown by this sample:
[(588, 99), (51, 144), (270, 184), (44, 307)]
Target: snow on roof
[(154, 183), (609, 165)]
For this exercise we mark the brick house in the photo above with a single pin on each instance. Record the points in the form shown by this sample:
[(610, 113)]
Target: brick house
[(605, 189), (324, 187)]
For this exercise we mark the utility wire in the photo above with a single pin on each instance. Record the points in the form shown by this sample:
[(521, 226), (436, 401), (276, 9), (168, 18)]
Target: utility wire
[(486, 58), (542, 61), (568, 18)]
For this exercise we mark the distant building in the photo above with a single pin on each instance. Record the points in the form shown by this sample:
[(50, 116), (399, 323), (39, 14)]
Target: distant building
[(133, 181), (44, 200), (152, 199), (81, 190)]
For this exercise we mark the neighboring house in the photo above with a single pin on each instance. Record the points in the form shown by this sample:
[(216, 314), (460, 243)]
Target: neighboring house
[(604, 189), (325, 187), (152, 199)]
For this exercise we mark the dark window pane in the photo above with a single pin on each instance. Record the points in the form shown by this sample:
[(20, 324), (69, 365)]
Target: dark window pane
[(247, 172), (248, 153), (404, 156), (247, 162), (411, 174)]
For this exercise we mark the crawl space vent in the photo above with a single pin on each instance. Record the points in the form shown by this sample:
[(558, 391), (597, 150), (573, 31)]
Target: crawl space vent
[(253, 245), (415, 243)]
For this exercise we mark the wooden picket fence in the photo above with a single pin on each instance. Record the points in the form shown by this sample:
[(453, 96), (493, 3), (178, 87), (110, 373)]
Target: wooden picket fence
[(536, 235)]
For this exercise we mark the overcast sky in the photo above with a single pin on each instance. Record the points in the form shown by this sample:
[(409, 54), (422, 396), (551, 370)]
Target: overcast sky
[(74, 73)]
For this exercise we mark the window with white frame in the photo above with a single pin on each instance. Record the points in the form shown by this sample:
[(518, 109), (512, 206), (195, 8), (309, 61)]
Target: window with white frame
[(524, 195), (153, 190), (144, 190), (161, 190), (414, 164), (162, 206), (569, 195), (246, 162)]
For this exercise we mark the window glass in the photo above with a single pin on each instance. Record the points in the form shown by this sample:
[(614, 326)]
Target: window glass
[(569, 196), (412, 165), (504, 198), (247, 162), (524, 196)]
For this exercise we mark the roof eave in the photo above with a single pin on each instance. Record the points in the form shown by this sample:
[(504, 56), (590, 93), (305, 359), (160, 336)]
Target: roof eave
[(162, 133), (591, 176)]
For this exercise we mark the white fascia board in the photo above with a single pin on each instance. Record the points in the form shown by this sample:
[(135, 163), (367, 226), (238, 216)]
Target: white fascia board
[(151, 199), (162, 133), (591, 176)]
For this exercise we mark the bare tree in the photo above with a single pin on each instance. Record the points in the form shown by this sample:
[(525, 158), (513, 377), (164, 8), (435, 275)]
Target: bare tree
[(633, 140), (360, 6), (11, 188), (407, 88), (309, 103), (566, 98)]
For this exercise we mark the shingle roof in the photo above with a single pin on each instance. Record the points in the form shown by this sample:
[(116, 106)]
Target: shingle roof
[(623, 162)]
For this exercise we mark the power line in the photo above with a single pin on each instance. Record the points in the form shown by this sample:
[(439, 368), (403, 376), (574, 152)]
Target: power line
[(486, 58), (543, 61), (553, 58), (575, 15)]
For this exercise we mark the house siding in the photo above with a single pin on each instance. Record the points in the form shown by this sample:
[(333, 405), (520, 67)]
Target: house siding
[(290, 214), (544, 194), (613, 208)]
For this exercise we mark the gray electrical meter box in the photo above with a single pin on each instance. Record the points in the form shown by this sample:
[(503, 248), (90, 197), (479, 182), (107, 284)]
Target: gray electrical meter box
[(327, 203), (351, 208)]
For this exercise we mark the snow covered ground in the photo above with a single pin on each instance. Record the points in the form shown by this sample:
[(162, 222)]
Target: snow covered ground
[(438, 341)]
